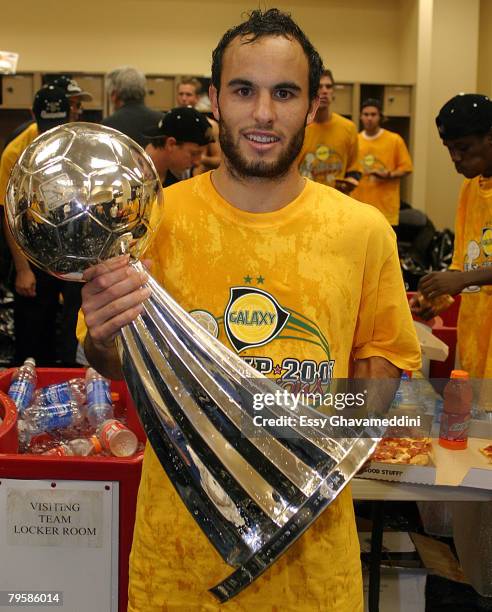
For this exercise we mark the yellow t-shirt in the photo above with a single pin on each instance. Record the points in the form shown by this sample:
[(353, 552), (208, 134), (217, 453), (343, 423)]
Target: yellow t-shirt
[(11, 154), (329, 151), (387, 151), (326, 267), (473, 249)]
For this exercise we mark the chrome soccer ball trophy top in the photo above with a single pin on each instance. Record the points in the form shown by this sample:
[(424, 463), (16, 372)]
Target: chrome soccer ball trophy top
[(79, 194)]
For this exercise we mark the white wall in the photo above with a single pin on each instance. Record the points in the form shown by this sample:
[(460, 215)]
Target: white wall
[(420, 123), (357, 38), (453, 69), (484, 73), (408, 24)]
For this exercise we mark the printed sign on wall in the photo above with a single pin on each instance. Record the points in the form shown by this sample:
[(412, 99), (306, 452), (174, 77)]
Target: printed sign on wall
[(37, 517)]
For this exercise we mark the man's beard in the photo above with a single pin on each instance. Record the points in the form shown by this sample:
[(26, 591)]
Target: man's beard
[(240, 167)]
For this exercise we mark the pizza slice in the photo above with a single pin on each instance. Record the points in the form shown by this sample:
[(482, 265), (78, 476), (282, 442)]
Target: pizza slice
[(406, 451), (487, 451)]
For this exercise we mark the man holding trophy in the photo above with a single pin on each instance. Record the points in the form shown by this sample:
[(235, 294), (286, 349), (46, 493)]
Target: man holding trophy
[(292, 275)]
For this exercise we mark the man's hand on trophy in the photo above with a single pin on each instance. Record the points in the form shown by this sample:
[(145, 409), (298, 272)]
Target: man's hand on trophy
[(111, 298)]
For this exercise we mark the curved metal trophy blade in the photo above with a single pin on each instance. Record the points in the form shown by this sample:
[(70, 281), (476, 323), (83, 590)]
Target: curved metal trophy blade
[(252, 493)]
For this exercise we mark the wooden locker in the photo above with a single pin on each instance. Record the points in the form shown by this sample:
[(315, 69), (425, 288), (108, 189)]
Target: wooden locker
[(94, 84), (17, 91), (342, 99), (397, 100), (160, 93)]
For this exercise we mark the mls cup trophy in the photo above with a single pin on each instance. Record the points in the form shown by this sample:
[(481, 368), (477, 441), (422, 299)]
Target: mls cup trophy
[(82, 193)]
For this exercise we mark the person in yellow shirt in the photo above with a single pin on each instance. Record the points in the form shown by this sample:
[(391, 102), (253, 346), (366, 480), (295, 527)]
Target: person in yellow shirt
[(385, 159), (36, 293), (324, 265), (76, 96), (329, 153), (465, 126)]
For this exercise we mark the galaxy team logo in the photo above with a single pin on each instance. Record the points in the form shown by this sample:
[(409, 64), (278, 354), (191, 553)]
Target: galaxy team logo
[(370, 163), (322, 166), (487, 241), (253, 318)]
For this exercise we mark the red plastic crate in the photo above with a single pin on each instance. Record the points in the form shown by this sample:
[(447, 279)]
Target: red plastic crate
[(445, 327), (8, 427), (125, 471)]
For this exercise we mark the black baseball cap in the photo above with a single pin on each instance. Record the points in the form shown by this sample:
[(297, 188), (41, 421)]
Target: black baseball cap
[(72, 88), (463, 115), (51, 107), (185, 124)]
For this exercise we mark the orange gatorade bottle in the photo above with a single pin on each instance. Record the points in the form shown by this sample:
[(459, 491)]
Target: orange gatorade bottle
[(457, 405)]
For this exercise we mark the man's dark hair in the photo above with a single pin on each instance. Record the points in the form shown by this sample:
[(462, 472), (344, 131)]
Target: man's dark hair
[(327, 73), (269, 23), (372, 102), (158, 143)]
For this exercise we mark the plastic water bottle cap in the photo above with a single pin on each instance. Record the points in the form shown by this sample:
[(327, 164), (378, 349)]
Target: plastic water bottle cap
[(96, 444)]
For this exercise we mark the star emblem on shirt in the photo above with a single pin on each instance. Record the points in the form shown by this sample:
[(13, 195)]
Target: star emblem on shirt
[(260, 280), (247, 279), (277, 370)]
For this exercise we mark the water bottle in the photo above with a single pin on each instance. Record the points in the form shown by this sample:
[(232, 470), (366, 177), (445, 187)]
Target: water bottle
[(406, 395), (31, 440), (428, 396), (54, 416), (72, 390), (438, 409), (25, 432), (82, 447), (23, 383), (60, 450), (99, 405), (116, 438), (397, 399)]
